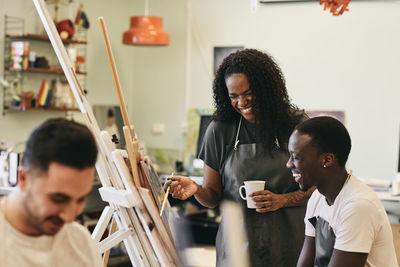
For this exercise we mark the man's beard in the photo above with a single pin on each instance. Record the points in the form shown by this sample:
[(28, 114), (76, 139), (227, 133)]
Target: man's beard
[(34, 221)]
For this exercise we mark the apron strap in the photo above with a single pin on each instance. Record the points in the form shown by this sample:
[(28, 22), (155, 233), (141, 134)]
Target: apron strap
[(237, 134), (237, 137)]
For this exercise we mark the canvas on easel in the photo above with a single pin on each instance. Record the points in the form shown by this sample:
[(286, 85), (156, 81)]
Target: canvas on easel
[(158, 194)]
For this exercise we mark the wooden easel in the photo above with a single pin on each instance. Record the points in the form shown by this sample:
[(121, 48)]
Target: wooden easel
[(147, 239)]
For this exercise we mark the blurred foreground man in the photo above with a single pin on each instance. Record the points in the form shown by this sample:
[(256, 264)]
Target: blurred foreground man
[(346, 224), (37, 225)]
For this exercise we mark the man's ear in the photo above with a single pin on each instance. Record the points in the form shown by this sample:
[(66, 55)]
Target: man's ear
[(329, 159), (22, 178)]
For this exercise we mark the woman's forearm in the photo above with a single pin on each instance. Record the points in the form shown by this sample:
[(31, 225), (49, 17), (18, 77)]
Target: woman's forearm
[(297, 198), (207, 197), (210, 193)]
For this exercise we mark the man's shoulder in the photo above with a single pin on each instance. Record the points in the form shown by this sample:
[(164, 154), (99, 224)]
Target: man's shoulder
[(316, 196), (359, 198), (75, 240), (76, 227), (76, 231), (358, 191), (315, 201)]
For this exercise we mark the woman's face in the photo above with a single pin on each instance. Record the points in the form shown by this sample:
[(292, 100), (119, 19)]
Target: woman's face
[(240, 94)]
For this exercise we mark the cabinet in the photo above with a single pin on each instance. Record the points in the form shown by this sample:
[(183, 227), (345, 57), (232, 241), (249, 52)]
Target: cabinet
[(30, 66)]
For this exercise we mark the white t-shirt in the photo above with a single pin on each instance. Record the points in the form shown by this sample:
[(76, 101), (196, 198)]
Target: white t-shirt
[(359, 221), (71, 246)]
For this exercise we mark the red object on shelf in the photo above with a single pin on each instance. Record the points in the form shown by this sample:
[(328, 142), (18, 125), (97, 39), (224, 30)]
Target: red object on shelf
[(146, 30), (336, 7), (66, 29)]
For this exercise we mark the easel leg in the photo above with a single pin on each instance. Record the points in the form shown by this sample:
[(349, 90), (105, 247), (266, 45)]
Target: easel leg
[(106, 256)]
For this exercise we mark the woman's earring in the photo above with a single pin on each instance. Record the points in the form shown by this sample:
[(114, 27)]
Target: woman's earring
[(324, 166)]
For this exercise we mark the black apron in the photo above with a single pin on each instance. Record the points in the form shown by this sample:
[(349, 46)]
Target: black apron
[(324, 241), (324, 237), (274, 238)]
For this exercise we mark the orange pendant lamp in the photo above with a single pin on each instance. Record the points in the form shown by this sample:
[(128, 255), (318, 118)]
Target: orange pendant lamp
[(146, 30)]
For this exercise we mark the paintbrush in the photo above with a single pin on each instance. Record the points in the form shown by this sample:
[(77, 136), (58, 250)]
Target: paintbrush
[(165, 197)]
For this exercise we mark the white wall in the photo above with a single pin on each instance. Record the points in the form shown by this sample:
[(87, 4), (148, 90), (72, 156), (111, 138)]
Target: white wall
[(347, 63)]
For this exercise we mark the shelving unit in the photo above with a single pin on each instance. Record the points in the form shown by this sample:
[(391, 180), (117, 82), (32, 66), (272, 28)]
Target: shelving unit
[(38, 37), (14, 29), (11, 110), (44, 70)]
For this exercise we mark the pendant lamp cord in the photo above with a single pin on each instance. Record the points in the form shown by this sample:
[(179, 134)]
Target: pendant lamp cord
[(146, 7)]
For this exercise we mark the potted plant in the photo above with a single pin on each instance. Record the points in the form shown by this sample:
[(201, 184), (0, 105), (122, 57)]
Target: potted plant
[(15, 97)]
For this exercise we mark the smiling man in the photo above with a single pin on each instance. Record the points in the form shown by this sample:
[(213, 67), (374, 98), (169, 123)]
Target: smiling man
[(37, 225), (346, 224)]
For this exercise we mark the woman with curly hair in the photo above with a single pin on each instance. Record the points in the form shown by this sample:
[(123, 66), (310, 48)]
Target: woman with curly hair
[(247, 140)]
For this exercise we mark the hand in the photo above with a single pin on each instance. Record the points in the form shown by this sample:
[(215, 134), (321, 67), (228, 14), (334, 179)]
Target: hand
[(181, 187), (267, 201)]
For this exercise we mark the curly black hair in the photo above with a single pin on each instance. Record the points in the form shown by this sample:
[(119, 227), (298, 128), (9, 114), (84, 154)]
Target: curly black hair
[(270, 101)]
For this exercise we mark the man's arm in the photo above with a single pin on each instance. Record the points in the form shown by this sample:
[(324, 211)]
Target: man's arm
[(342, 258), (307, 255)]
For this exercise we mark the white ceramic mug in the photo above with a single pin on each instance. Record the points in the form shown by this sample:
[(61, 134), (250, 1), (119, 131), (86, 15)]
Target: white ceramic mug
[(251, 187)]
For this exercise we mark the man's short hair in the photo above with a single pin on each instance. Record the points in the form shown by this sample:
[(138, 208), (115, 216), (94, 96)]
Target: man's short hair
[(329, 135), (62, 141)]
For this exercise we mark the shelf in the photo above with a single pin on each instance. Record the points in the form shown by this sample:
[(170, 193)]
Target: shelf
[(14, 30), (53, 109), (17, 109), (43, 70), (38, 37)]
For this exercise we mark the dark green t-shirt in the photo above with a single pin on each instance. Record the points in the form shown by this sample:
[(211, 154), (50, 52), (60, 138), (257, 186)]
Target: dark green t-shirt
[(219, 135)]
